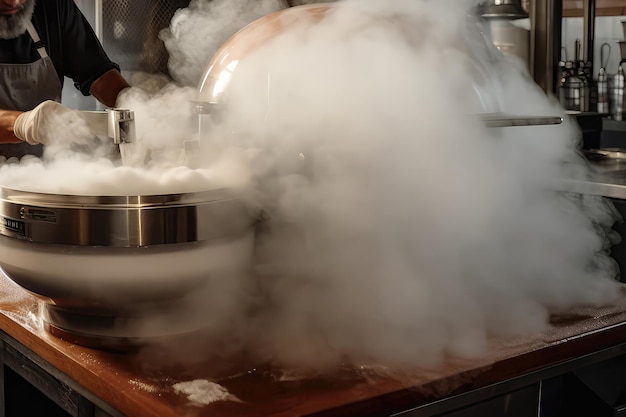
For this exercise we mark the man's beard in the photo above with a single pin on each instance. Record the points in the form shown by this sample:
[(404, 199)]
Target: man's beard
[(12, 26)]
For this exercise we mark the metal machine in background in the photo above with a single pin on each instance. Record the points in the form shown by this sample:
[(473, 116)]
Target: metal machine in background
[(510, 39), (503, 10), (221, 71), (544, 41), (571, 79)]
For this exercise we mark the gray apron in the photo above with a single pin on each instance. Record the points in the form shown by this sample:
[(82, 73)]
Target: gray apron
[(24, 86)]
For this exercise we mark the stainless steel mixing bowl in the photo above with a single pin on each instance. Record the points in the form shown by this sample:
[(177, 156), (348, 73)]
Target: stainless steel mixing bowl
[(122, 267)]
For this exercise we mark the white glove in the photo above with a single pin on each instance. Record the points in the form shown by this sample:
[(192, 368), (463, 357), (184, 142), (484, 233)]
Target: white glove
[(50, 122)]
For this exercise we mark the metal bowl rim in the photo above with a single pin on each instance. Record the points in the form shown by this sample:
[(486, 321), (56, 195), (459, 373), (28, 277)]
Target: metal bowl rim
[(35, 198)]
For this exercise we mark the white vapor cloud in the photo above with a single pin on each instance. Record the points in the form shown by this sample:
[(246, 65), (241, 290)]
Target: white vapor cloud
[(398, 228)]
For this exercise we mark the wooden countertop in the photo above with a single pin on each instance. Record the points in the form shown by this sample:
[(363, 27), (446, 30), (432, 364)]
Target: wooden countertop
[(574, 8), (143, 383)]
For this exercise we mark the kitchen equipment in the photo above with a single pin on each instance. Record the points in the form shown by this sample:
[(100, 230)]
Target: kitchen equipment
[(508, 120), (118, 125), (502, 9), (218, 74), (574, 93), (622, 49), (112, 271), (616, 94), (575, 82), (603, 81), (613, 157), (213, 88), (510, 40)]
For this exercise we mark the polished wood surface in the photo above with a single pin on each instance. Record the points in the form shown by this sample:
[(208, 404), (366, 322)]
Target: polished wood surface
[(142, 383), (574, 8)]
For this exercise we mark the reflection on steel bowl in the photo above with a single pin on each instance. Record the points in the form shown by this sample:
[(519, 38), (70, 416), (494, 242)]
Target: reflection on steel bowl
[(120, 268)]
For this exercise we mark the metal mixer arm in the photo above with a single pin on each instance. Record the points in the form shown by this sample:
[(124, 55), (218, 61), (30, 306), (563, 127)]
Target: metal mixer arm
[(117, 124), (509, 120)]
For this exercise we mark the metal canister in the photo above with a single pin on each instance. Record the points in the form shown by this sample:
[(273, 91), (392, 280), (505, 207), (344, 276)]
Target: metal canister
[(616, 95), (603, 92), (573, 94)]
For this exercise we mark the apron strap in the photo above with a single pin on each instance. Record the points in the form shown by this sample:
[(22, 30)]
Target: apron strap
[(35, 37)]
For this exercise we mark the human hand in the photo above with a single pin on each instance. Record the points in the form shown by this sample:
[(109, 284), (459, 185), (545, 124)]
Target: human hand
[(50, 123)]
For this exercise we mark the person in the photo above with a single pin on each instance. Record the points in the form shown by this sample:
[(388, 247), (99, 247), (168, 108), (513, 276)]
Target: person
[(41, 42)]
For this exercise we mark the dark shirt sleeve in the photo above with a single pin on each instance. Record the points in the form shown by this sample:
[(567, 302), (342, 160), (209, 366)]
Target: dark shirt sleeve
[(74, 47)]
